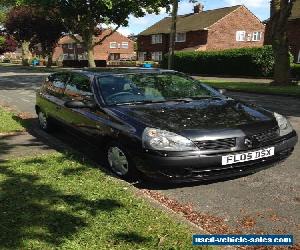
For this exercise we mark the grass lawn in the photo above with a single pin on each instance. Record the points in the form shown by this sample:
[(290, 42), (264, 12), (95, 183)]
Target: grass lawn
[(8, 123), (55, 201), (260, 88)]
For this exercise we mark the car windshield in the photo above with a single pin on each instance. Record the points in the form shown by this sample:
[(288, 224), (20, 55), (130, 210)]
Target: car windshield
[(150, 87)]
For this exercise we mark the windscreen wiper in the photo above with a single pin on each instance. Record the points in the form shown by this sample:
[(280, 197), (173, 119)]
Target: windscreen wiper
[(206, 97), (140, 102)]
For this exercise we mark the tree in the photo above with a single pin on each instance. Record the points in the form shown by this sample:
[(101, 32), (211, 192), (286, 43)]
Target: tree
[(173, 32), (280, 12), (7, 44), (82, 17), (31, 26), (47, 30), (19, 23)]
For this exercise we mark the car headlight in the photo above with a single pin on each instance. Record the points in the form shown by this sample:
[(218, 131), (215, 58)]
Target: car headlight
[(166, 141), (284, 125)]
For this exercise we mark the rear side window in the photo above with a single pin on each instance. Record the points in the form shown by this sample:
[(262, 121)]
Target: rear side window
[(79, 88), (56, 83)]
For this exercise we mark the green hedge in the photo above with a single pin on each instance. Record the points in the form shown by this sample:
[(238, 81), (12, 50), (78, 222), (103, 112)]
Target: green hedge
[(241, 62), (295, 71)]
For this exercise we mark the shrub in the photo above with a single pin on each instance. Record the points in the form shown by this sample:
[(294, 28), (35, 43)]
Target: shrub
[(295, 71), (242, 62), (82, 63)]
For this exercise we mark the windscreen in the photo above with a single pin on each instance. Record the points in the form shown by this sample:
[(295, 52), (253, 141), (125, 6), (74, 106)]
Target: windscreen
[(156, 87)]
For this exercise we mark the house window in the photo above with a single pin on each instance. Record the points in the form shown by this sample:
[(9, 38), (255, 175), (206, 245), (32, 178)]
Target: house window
[(180, 37), (298, 57), (114, 56), (256, 36), (142, 56), (125, 45), (156, 56), (240, 35), (156, 39), (70, 46), (79, 46), (113, 45)]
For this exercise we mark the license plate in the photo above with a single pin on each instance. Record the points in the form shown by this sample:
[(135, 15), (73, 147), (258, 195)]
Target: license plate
[(248, 156)]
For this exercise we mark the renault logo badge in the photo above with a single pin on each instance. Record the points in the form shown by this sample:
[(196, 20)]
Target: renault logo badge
[(248, 143)]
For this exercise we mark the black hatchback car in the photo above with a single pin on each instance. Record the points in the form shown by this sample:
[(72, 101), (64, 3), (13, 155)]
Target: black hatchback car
[(164, 124)]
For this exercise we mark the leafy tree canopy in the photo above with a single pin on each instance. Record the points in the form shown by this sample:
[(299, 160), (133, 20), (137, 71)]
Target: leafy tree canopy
[(84, 16), (7, 44)]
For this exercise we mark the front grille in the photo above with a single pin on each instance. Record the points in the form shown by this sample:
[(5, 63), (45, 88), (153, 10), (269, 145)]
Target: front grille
[(220, 144), (266, 137)]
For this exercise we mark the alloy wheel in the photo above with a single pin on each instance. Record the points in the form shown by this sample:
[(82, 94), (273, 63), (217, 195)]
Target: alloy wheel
[(117, 161), (43, 120)]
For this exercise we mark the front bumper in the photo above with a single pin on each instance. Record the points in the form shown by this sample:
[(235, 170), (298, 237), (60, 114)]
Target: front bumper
[(199, 167)]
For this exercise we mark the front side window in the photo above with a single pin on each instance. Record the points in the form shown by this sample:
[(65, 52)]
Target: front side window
[(156, 38), (79, 88), (149, 87), (113, 45), (180, 37), (56, 83), (240, 36), (256, 36), (156, 56)]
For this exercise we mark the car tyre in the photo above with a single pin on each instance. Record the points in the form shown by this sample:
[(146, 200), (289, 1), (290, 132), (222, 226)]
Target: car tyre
[(120, 162), (44, 122)]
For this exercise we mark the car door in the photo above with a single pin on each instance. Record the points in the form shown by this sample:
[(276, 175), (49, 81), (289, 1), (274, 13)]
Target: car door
[(52, 95), (85, 120)]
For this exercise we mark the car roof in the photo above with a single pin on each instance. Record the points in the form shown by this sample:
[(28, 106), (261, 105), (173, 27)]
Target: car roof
[(117, 71)]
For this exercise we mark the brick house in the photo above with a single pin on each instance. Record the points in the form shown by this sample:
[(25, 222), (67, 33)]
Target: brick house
[(219, 29), (294, 31), (114, 47)]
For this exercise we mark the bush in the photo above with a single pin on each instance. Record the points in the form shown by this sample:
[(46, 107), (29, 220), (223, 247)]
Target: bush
[(295, 71), (82, 63), (242, 62)]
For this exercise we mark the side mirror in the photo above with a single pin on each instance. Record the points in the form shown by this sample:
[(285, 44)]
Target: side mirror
[(80, 105), (75, 104), (222, 91)]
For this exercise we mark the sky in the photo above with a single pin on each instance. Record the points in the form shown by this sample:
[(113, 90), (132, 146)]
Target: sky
[(136, 25)]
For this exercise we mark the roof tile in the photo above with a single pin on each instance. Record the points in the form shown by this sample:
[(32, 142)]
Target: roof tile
[(296, 10), (190, 22)]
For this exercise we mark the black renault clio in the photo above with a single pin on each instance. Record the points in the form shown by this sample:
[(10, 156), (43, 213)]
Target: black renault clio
[(164, 124)]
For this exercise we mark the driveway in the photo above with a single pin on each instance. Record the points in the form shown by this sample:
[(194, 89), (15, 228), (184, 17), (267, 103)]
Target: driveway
[(265, 202)]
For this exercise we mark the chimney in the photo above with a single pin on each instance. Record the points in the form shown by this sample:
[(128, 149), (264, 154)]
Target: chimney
[(198, 8)]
